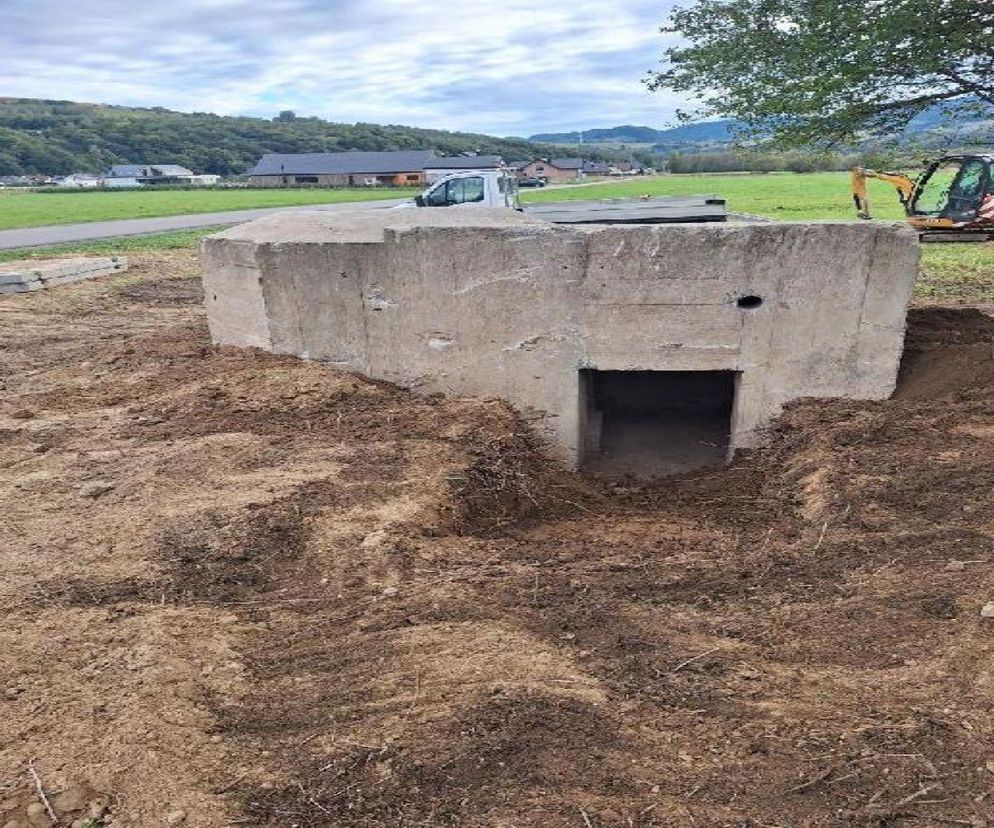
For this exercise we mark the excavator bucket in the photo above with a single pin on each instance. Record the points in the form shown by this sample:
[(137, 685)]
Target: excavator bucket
[(861, 197)]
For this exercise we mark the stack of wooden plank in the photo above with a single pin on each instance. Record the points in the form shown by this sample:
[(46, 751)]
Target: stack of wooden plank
[(36, 274)]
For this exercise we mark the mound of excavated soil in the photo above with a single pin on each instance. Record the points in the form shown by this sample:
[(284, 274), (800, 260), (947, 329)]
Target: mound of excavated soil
[(243, 589)]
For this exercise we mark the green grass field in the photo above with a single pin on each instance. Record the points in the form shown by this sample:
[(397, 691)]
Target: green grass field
[(29, 209), (176, 240), (950, 272), (957, 273), (786, 196)]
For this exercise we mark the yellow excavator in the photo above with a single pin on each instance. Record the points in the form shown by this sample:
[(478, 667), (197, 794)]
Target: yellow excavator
[(952, 199)]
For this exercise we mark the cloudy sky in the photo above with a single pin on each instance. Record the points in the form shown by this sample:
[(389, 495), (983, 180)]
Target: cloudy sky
[(506, 68)]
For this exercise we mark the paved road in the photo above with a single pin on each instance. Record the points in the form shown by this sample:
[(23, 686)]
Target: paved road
[(62, 233)]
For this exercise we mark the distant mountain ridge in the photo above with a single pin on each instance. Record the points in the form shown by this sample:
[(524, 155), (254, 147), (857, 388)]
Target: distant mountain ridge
[(930, 126), (705, 132)]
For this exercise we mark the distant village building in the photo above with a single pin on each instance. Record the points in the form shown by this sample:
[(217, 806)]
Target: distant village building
[(26, 180), (596, 168), (555, 169), (79, 181), (151, 173), (140, 175), (122, 182), (404, 168)]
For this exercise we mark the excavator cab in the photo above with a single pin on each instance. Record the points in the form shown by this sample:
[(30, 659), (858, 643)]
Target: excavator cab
[(952, 189)]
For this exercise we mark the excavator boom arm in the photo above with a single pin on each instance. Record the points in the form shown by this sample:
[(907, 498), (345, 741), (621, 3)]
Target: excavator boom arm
[(861, 198)]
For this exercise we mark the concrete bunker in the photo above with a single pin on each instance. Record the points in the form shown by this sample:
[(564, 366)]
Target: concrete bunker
[(613, 340), (652, 423)]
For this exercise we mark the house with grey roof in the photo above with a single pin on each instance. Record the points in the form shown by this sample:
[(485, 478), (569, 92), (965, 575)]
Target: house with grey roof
[(79, 181), (403, 168), (554, 169), (596, 168), (141, 174)]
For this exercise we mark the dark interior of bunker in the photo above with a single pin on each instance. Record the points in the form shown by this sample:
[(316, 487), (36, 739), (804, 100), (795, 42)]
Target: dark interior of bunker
[(649, 423)]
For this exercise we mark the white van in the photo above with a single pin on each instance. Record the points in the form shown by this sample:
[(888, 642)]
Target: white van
[(479, 188)]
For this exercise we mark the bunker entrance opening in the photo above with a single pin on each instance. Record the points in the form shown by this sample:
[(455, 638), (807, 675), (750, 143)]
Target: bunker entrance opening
[(649, 423)]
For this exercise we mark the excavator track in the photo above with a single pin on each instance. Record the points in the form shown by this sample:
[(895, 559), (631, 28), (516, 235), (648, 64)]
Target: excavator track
[(947, 236)]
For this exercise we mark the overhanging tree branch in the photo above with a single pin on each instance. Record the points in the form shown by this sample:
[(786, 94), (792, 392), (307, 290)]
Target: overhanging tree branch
[(810, 71)]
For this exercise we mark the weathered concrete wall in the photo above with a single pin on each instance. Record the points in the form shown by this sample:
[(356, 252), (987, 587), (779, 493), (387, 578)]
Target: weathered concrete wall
[(490, 302)]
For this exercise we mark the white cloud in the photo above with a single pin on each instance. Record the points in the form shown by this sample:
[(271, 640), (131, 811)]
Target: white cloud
[(515, 67)]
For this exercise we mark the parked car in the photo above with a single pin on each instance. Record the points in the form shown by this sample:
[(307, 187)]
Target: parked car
[(532, 182)]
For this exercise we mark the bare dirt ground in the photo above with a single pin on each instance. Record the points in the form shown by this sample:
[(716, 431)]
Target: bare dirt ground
[(239, 589)]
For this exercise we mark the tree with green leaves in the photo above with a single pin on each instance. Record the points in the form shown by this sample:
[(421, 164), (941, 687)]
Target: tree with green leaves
[(829, 71)]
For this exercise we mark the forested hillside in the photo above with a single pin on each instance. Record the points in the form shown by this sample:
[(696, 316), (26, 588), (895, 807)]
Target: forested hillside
[(59, 137)]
